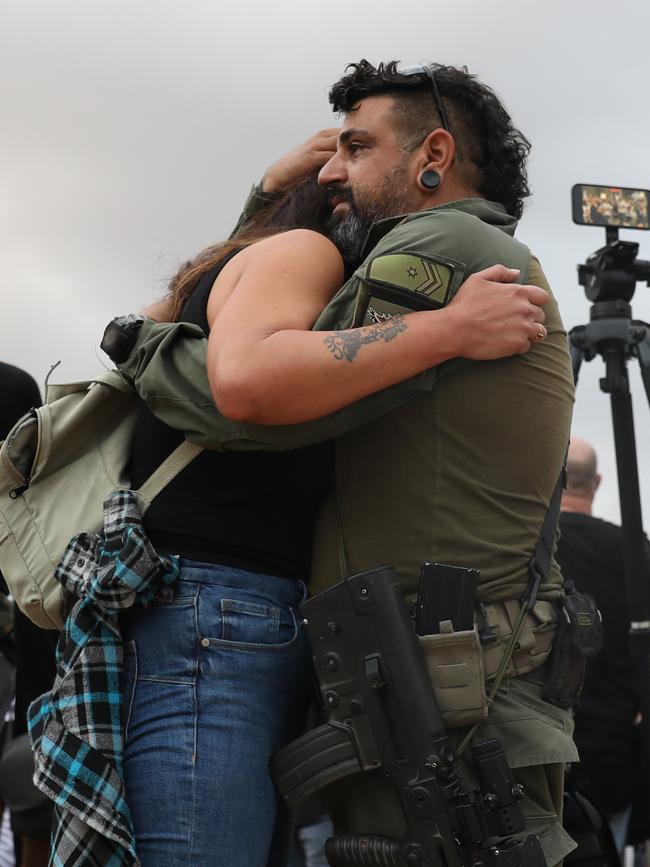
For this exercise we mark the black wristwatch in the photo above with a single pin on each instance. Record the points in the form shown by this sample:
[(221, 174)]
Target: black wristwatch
[(119, 337)]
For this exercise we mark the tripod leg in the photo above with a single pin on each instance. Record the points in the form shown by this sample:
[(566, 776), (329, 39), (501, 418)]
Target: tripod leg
[(642, 351), (634, 555), (576, 357)]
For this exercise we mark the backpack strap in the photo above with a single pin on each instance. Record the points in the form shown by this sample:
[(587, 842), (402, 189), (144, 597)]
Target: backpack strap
[(168, 470), (540, 563)]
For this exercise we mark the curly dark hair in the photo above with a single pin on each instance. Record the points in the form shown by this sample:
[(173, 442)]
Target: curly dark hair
[(491, 151)]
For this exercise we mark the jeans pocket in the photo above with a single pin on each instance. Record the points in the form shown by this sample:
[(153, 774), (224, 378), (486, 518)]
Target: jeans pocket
[(166, 637), (254, 625), (249, 622)]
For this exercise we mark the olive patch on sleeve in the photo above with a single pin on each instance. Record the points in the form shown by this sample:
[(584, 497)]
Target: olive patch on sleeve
[(412, 273), (402, 283)]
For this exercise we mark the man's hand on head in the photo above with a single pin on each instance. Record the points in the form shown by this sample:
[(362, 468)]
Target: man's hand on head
[(308, 157), (498, 316)]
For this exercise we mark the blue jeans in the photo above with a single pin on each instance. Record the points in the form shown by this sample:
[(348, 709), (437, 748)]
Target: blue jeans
[(216, 679)]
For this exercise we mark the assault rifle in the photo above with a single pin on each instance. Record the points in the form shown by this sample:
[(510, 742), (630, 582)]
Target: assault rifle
[(383, 718)]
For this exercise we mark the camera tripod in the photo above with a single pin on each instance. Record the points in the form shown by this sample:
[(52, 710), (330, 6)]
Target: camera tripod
[(609, 277)]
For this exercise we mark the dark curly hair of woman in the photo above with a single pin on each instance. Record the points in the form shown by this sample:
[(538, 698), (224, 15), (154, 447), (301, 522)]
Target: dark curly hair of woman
[(490, 150)]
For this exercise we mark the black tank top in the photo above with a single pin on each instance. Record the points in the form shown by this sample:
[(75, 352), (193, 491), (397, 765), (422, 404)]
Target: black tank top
[(250, 510)]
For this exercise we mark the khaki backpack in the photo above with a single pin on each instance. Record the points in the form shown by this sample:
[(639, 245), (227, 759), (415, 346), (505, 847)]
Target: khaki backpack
[(57, 466)]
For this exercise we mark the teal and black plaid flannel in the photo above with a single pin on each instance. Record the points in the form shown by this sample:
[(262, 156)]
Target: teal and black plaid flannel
[(76, 729)]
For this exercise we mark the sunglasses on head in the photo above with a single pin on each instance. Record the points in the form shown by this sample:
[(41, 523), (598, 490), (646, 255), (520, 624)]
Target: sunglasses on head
[(428, 71)]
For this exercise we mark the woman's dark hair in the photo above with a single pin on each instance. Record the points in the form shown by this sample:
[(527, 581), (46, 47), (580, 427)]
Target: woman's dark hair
[(490, 149), (304, 206)]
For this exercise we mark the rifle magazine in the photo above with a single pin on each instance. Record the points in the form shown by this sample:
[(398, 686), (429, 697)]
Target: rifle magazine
[(320, 757)]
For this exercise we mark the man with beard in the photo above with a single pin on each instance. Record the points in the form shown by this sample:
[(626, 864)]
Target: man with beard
[(428, 162), (463, 475)]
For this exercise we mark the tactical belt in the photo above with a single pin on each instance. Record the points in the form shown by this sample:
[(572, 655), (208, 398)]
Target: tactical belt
[(533, 644)]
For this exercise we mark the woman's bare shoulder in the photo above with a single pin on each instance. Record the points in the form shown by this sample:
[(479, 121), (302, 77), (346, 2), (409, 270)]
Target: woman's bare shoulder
[(292, 250), (296, 246), (300, 264)]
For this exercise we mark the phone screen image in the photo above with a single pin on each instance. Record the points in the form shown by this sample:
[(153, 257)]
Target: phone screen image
[(618, 207)]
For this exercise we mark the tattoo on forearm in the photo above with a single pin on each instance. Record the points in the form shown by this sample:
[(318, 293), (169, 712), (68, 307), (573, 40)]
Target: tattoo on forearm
[(347, 344)]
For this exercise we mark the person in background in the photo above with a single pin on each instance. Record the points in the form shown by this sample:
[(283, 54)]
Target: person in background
[(590, 553), (34, 647)]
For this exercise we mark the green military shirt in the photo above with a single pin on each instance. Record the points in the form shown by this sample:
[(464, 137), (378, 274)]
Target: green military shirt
[(463, 473)]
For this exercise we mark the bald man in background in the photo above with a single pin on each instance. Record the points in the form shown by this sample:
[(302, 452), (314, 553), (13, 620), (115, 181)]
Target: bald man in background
[(590, 553)]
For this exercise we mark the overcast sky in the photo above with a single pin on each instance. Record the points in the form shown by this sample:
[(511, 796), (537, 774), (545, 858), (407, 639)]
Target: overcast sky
[(131, 132)]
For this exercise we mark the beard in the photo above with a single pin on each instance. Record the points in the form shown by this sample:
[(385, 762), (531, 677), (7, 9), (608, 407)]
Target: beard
[(387, 199), (349, 235)]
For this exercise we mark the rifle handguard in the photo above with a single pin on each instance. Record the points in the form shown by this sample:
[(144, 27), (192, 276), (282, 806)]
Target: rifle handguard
[(362, 849)]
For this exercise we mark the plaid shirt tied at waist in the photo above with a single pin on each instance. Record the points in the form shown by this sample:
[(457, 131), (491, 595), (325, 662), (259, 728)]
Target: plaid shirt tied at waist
[(76, 729)]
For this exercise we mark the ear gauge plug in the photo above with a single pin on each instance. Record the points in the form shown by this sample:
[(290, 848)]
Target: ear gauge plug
[(430, 179)]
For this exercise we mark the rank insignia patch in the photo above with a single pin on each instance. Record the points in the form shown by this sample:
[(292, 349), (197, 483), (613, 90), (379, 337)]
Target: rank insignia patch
[(412, 273)]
